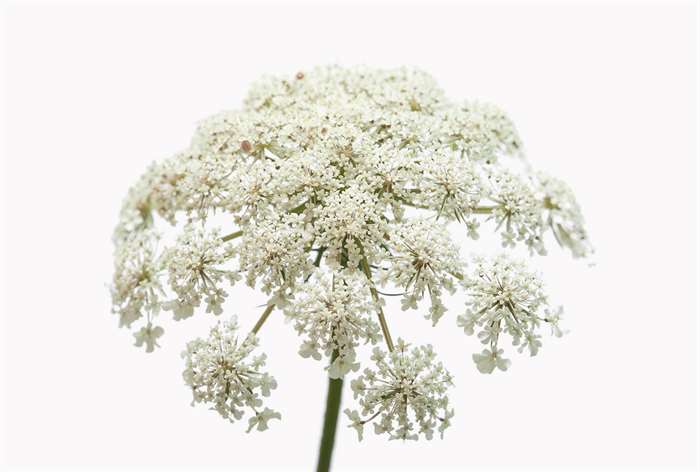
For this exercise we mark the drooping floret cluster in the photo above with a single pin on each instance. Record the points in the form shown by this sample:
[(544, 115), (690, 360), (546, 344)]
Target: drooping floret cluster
[(330, 190)]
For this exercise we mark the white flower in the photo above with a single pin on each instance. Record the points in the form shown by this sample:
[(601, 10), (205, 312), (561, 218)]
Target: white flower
[(261, 419), (348, 222), (355, 422), (553, 317), (253, 192), (136, 287), (224, 133), (221, 372), (423, 258), (472, 228), (489, 359), (195, 272), (148, 336), (563, 215), (406, 394), (481, 131), (343, 364), (334, 315), (157, 191), (449, 185), (275, 251), (505, 298), (331, 183), (517, 210)]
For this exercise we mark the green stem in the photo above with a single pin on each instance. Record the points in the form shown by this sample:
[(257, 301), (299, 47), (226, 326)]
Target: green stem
[(231, 236), (330, 422), (263, 318), (380, 313), (483, 210)]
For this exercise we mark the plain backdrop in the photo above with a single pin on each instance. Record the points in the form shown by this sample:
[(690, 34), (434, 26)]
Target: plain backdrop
[(604, 96)]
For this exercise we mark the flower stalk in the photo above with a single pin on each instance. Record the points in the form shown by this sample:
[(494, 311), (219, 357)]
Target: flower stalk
[(330, 422)]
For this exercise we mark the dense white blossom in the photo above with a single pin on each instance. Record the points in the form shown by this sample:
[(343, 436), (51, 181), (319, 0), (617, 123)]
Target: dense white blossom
[(406, 395), (330, 190), (196, 273), (275, 251), (517, 211), (136, 285), (349, 221), (423, 259), (449, 185), (505, 298), (482, 131), (333, 316), (222, 371)]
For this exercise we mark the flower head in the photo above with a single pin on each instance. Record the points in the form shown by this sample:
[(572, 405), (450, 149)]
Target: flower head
[(563, 215), (405, 396), (221, 371), (136, 286), (329, 185), (423, 259), (505, 298), (275, 251), (333, 316), (349, 221), (450, 186), (195, 271), (517, 211), (481, 131)]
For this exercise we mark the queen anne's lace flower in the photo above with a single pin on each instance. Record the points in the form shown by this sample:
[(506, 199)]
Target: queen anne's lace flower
[(481, 131), (275, 251), (253, 190), (136, 286), (563, 215), (348, 221), (221, 371), (351, 174), (423, 259), (195, 271), (517, 211), (223, 133), (158, 190), (333, 316), (505, 298), (405, 396), (448, 185)]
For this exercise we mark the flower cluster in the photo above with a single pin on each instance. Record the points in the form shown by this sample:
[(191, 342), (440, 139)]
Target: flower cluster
[(423, 258), (136, 287), (275, 251), (333, 315), (195, 273), (505, 298), (517, 212), (563, 215), (221, 371), (331, 189), (405, 396)]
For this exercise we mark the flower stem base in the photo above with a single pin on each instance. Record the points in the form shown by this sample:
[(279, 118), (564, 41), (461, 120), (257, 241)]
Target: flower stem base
[(330, 423)]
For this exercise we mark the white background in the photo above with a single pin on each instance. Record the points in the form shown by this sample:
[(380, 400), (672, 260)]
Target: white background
[(604, 97)]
